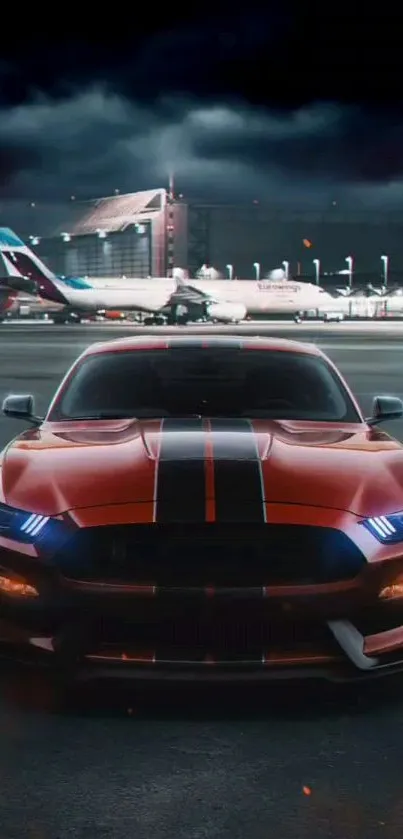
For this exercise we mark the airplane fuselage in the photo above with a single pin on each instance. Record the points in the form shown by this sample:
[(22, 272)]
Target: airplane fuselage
[(151, 295), (217, 299), (147, 296)]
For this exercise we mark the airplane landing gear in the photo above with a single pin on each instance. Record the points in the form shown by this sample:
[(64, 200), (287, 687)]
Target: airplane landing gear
[(154, 321), (65, 318)]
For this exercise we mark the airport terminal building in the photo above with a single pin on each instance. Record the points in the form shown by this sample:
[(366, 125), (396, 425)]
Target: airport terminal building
[(149, 233)]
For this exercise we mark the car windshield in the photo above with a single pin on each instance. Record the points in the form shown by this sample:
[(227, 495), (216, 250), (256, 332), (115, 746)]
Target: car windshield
[(207, 382)]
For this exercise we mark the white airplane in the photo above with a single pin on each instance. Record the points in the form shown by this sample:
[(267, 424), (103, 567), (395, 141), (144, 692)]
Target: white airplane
[(392, 301), (175, 299), (274, 295), (375, 302)]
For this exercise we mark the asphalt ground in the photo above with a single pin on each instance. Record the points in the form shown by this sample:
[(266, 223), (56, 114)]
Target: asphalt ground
[(273, 763)]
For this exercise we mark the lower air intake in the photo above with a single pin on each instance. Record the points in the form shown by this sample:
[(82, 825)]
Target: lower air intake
[(217, 555)]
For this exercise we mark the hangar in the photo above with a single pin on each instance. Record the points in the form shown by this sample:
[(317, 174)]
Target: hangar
[(115, 236)]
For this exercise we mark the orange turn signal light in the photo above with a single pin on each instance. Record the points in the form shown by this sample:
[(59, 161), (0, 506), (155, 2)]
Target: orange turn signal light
[(16, 587), (392, 592)]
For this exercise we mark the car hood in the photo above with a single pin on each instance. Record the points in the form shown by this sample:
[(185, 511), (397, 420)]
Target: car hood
[(65, 466)]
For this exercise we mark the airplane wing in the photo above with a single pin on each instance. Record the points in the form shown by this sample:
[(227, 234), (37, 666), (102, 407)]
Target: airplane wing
[(187, 294)]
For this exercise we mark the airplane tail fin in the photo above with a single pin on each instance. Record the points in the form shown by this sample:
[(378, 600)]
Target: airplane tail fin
[(18, 260), (180, 278)]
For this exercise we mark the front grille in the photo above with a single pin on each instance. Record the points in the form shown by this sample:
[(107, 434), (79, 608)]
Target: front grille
[(210, 555), (236, 636)]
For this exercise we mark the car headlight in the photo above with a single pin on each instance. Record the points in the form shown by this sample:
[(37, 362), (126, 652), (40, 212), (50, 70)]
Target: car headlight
[(386, 529), (20, 524)]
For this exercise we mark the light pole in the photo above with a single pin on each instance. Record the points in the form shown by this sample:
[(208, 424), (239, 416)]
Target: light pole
[(286, 266), (256, 266), (385, 265), (316, 263), (230, 269), (350, 264)]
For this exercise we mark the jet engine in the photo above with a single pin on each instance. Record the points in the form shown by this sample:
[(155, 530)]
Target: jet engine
[(278, 275), (226, 312)]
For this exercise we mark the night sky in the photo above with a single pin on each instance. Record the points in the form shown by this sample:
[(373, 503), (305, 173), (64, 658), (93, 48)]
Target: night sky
[(299, 102)]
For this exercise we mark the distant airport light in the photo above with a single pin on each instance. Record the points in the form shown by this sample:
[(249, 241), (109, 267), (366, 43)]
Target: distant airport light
[(350, 265), (230, 269), (316, 263), (256, 266), (286, 266), (66, 237), (101, 234), (385, 266)]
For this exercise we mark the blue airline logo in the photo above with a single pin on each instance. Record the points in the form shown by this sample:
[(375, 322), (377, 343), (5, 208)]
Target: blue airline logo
[(8, 239), (76, 283)]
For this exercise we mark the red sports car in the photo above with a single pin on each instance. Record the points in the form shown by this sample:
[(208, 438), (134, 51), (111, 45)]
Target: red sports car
[(203, 508)]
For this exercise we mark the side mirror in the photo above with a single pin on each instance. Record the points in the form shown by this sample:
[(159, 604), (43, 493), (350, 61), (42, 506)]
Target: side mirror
[(385, 408), (21, 407)]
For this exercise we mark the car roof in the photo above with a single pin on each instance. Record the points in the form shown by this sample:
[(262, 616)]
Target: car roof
[(202, 341)]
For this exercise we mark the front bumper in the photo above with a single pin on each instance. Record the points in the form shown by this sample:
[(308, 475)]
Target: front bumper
[(337, 631), (351, 665), (230, 638)]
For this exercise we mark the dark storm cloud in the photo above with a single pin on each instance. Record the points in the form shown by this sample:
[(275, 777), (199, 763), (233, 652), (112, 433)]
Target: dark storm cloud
[(321, 141), (14, 159), (202, 55), (94, 142), (195, 49)]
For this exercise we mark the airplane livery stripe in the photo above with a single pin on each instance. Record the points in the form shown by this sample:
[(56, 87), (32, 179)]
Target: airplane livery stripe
[(180, 491), (28, 268), (239, 494)]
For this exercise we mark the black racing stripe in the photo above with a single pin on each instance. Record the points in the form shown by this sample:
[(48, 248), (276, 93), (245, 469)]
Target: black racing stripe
[(223, 342), (205, 342), (237, 472), (181, 477), (184, 341)]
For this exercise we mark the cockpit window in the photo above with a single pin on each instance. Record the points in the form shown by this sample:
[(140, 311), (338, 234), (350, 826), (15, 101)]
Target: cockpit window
[(210, 382)]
